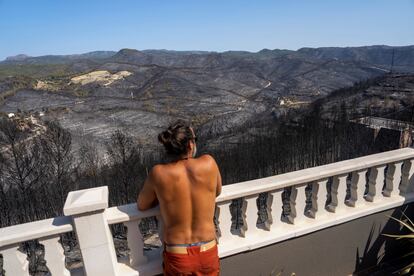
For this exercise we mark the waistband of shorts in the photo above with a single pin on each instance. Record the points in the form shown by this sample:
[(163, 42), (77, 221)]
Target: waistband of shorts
[(182, 248), (189, 244)]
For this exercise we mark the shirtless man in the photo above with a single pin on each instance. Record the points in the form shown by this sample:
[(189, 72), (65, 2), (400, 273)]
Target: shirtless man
[(185, 189)]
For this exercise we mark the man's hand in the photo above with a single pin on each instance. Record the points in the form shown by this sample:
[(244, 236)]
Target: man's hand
[(147, 198)]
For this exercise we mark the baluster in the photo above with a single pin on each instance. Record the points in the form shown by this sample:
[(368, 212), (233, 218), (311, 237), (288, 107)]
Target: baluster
[(358, 182), (135, 244), (224, 221), (14, 262), (375, 183), (314, 200), (54, 255), (274, 209), (250, 215), (338, 193), (392, 179), (298, 196), (292, 206), (322, 195), (407, 177)]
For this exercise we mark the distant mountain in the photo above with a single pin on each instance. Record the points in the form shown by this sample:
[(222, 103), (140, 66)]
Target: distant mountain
[(167, 58), (384, 56), (20, 57), (402, 58), (57, 59), (96, 55), (379, 55), (164, 51)]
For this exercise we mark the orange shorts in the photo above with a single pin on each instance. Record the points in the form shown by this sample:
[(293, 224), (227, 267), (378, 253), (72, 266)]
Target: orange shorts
[(193, 263)]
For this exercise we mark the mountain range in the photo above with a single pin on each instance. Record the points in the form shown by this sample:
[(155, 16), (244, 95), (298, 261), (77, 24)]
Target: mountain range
[(142, 91)]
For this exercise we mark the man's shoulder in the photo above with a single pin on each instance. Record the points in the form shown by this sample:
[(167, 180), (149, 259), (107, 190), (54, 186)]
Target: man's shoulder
[(157, 167), (207, 161), (207, 158), (156, 170)]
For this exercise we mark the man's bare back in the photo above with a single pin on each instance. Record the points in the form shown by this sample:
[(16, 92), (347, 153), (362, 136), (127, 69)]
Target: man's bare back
[(186, 191)]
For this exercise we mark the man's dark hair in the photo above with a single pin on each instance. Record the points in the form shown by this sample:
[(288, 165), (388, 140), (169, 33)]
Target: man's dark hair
[(176, 138)]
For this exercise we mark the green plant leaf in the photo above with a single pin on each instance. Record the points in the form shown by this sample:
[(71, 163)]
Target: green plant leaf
[(408, 254), (409, 236), (406, 270), (412, 224), (411, 228)]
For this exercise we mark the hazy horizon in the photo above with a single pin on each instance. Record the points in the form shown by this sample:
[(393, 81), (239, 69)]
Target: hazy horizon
[(59, 28), (211, 51)]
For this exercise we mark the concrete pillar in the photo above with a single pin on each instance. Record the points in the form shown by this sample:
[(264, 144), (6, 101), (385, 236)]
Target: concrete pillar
[(94, 236)]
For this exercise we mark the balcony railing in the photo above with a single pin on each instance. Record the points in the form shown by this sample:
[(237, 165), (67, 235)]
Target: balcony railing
[(335, 193)]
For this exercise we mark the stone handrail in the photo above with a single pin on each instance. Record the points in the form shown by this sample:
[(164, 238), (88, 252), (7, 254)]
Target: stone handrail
[(129, 212), (312, 174), (336, 193), (48, 233)]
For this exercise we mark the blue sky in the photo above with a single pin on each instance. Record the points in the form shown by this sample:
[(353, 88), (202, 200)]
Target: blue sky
[(40, 27)]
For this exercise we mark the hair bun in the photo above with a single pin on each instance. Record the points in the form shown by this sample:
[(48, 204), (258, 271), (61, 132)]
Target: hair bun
[(176, 137), (164, 137)]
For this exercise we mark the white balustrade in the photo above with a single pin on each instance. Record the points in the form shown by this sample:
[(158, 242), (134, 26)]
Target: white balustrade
[(14, 261), (407, 178), (250, 216), (358, 182), (314, 200), (135, 244), (274, 210), (224, 219), (290, 217), (92, 230), (393, 179), (54, 256), (91, 216), (47, 231), (298, 196), (322, 196), (338, 193), (375, 183)]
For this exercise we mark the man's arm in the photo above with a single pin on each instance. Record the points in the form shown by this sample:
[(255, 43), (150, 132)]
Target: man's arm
[(219, 184), (147, 197), (216, 168)]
